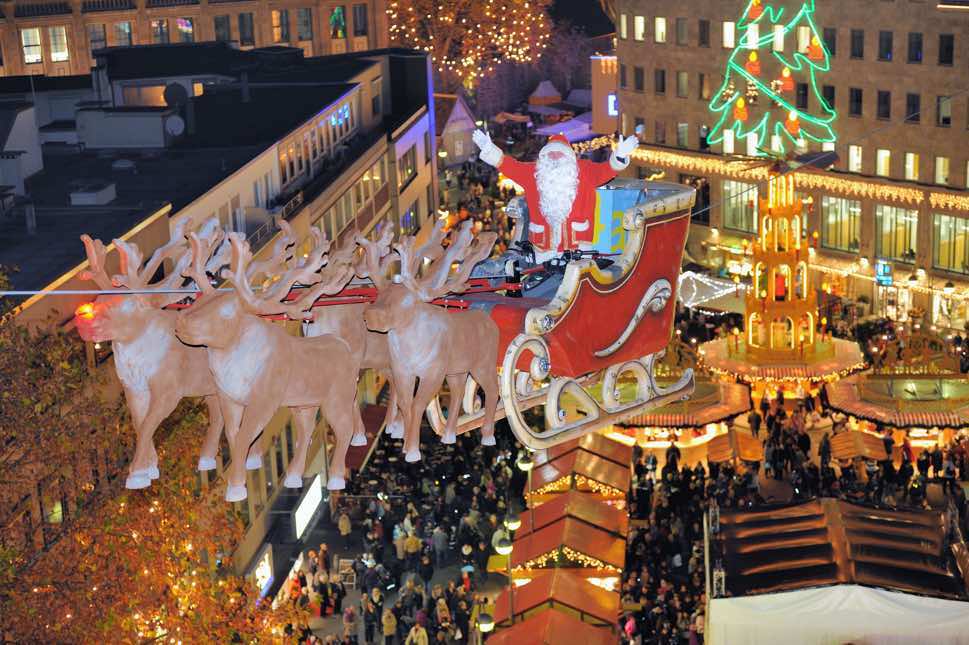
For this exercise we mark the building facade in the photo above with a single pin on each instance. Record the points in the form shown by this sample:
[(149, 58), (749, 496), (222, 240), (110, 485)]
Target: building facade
[(58, 38), (341, 143), (898, 190)]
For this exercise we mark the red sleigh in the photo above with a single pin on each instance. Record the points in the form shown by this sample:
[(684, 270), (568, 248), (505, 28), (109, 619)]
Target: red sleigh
[(588, 352)]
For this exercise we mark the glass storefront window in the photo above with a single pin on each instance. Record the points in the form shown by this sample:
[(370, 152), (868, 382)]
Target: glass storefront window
[(950, 244), (840, 223), (895, 232), (740, 206)]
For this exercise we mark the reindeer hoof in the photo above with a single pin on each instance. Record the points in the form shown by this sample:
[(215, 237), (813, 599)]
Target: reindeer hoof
[(235, 493), (488, 440), (253, 462), (293, 481), (153, 472), (336, 483), (412, 456), (448, 437), (396, 429), (206, 463), (358, 440), (137, 481)]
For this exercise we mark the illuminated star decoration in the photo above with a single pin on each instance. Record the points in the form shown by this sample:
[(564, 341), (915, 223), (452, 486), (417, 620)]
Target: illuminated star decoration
[(778, 121), (467, 38)]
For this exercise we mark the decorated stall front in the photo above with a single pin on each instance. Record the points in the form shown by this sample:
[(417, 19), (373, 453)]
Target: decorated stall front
[(579, 470), (734, 445), (584, 507), (569, 543), (596, 443), (562, 591)]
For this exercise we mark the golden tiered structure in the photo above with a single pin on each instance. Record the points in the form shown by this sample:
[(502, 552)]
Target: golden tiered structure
[(781, 311)]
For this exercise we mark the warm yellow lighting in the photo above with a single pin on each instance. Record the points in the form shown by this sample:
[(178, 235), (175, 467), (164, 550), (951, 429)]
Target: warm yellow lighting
[(504, 546)]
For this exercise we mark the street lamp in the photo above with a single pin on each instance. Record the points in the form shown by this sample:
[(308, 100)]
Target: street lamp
[(525, 464), (442, 153), (512, 521), (504, 547), (949, 288), (486, 622)]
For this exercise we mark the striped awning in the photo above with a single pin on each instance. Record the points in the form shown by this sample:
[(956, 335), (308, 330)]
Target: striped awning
[(845, 396), (734, 399), (734, 444), (856, 443)]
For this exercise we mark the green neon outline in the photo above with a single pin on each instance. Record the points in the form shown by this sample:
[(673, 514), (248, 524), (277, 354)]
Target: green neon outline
[(813, 128)]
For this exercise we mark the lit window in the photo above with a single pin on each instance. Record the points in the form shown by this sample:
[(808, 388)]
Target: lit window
[(942, 170), (30, 39), (728, 142), (753, 35), (622, 26), (911, 166), (280, 18), (896, 232), (660, 26), (98, 37), (682, 134), (883, 162), (122, 34), (951, 243), (159, 31), (739, 206), (752, 144), (803, 39), (729, 35), (828, 146), (943, 111), (58, 43), (854, 158), (639, 27), (186, 29), (304, 23), (778, 38), (840, 223)]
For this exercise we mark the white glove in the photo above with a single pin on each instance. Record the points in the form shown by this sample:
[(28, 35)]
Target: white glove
[(490, 153), (620, 156)]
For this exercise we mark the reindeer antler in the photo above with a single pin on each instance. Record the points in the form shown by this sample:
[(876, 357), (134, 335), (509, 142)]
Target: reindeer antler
[(464, 248), (271, 301), (411, 260), (376, 257), (201, 253), (133, 275), (96, 256), (282, 252)]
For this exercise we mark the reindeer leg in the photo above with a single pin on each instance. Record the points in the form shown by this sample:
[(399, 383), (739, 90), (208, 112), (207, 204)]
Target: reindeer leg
[(305, 420), (236, 474), (210, 448), (159, 405), (455, 383), (256, 450), (138, 404), (426, 390), (393, 421), (405, 402), (359, 437), (487, 378), (339, 416)]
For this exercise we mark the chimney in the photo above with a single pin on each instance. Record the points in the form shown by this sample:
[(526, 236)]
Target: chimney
[(245, 87), (31, 218)]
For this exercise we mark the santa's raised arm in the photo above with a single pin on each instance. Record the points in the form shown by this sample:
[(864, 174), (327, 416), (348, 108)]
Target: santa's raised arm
[(559, 188)]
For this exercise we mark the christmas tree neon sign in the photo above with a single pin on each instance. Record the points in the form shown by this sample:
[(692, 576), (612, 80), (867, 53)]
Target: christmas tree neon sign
[(768, 108)]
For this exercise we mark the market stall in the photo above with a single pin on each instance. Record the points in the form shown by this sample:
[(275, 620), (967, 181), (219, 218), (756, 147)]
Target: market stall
[(584, 507), (568, 543), (561, 591), (552, 627), (582, 471)]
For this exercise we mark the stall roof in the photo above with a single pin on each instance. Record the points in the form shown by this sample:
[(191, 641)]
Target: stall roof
[(551, 627), (855, 443), (598, 444), (568, 590), (733, 444), (574, 534), (829, 541), (544, 94), (577, 128), (584, 507), (582, 462), (731, 399), (845, 396)]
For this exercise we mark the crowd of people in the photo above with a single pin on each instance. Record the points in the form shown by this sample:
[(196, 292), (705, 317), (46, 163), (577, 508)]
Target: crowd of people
[(443, 513)]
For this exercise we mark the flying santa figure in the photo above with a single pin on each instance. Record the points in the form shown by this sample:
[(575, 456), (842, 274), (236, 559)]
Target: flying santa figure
[(560, 190)]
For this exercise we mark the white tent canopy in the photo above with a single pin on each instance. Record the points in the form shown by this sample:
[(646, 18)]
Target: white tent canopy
[(544, 94), (576, 129), (837, 615)]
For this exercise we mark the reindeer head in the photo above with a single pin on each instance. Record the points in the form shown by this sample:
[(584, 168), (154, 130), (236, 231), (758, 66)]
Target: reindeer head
[(124, 317), (398, 303), (216, 320)]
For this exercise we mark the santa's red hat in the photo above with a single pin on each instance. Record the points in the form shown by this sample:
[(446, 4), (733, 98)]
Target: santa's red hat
[(557, 140)]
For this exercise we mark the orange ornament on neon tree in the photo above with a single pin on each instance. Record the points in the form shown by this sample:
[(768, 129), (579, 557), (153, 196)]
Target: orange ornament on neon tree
[(755, 10), (740, 110), (753, 64), (787, 82)]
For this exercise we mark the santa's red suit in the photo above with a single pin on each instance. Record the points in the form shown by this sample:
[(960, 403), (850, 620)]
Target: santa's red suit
[(580, 225), (559, 188)]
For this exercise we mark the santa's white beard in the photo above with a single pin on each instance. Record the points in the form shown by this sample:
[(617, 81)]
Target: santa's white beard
[(558, 182)]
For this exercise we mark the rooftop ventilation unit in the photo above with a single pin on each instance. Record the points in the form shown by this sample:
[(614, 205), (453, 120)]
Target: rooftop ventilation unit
[(93, 193)]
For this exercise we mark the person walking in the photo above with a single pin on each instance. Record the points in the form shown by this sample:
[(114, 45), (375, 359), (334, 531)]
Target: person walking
[(389, 624), (439, 542), (754, 420), (343, 524)]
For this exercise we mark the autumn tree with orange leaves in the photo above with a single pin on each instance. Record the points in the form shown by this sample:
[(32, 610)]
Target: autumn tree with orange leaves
[(133, 566)]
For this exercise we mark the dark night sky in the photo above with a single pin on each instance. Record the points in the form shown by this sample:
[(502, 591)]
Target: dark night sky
[(586, 14)]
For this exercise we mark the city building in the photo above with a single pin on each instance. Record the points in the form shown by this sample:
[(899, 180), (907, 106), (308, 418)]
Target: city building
[(165, 133), (455, 122), (894, 202), (59, 38)]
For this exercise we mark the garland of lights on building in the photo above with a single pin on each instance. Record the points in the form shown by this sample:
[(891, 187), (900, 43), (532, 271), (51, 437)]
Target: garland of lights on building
[(766, 107), (564, 557), (580, 481)]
